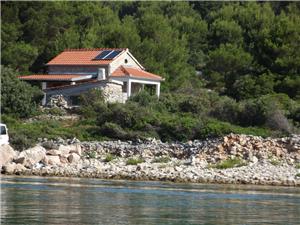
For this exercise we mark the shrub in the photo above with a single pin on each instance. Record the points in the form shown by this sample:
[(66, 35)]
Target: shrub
[(91, 97), (161, 160), (96, 110), (20, 141), (144, 98), (91, 154), (55, 111), (18, 97), (297, 166), (113, 130), (277, 121), (134, 161), (295, 116), (253, 113), (109, 157), (229, 163), (274, 162), (226, 109), (176, 127)]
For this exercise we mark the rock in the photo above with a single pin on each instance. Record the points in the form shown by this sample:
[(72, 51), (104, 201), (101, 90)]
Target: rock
[(19, 168), (7, 154), (64, 149), (73, 158), (53, 160), (12, 168), (49, 145), (53, 152), (254, 159), (9, 168), (75, 148), (63, 159), (20, 160), (58, 101), (31, 156)]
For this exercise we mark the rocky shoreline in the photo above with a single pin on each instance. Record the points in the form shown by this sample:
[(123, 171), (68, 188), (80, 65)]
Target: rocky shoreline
[(233, 159)]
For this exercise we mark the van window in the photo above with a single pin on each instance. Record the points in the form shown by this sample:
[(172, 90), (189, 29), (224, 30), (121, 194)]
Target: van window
[(2, 130)]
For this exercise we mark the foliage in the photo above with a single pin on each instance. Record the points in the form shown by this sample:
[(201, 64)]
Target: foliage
[(229, 163), (161, 160), (90, 154), (245, 50), (246, 54), (55, 111), (109, 157), (134, 161), (113, 130), (275, 162), (25, 134), (21, 141), (17, 97)]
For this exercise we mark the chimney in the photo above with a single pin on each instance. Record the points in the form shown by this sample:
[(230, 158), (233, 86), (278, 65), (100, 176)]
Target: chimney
[(101, 74)]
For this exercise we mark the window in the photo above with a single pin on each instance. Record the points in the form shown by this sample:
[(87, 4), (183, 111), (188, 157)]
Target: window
[(3, 130), (75, 100), (124, 87), (126, 61)]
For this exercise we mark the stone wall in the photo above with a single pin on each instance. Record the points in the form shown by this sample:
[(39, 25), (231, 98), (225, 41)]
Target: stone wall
[(113, 92)]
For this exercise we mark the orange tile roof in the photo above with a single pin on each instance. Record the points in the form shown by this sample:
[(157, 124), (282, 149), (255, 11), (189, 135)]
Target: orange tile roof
[(55, 77), (81, 57), (134, 72)]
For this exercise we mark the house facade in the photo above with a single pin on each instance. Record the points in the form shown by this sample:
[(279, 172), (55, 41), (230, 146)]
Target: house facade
[(75, 71)]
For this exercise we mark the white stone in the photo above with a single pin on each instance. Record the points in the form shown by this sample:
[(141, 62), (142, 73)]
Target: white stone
[(64, 149), (53, 152), (75, 148), (7, 154), (73, 158), (32, 156), (53, 160)]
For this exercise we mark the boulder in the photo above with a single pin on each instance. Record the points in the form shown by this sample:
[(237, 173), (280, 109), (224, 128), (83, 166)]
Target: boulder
[(63, 159), (53, 159), (19, 168), (49, 145), (73, 158), (20, 160), (11, 168), (7, 154), (64, 149), (31, 156), (53, 152), (75, 148)]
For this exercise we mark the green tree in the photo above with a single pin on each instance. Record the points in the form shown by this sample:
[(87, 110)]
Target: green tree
[(19, 56), (230, 62), (17, 97), (226, 31)]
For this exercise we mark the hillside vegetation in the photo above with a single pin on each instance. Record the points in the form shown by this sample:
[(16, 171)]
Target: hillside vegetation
[(246, 54)]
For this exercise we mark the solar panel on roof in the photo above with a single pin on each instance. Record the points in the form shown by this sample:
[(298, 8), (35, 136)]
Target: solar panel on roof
[(112, 54), (103, 54)]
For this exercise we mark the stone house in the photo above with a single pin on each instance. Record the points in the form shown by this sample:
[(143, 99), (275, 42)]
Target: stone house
[(74, 71)]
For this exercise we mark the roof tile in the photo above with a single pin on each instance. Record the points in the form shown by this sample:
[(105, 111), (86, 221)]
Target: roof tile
[(81, 57), (134, 72)]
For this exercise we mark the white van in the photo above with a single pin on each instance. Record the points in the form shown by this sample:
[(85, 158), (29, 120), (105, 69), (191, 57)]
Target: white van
[(3, 134)]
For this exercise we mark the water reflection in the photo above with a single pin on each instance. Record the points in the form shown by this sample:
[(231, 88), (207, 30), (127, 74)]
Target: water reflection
[(35, 200)]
